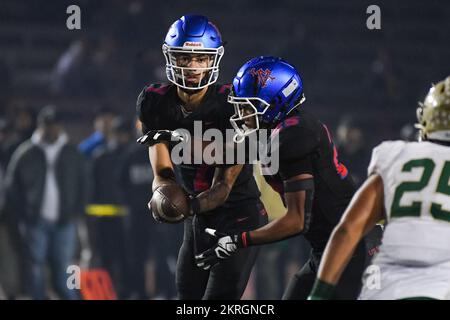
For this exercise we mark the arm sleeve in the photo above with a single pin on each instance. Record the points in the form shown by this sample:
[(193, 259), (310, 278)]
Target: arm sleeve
[(14, 200)]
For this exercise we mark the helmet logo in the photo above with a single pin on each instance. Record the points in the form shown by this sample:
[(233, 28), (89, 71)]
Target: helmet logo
[(190, 44), (263, 76)]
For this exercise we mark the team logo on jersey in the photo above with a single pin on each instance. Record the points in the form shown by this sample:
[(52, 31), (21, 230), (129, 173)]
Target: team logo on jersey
[(263, 76)]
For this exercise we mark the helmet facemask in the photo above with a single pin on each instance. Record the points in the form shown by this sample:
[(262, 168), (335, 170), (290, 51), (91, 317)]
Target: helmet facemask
[(246, 112), (178, 72)]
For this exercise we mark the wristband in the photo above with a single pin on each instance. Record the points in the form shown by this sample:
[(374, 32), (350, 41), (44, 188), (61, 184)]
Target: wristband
[(321, 290)]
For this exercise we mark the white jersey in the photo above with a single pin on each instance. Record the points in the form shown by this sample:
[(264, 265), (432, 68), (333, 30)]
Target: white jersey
[(416, 241)]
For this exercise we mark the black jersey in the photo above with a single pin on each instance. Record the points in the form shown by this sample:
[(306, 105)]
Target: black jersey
[(305, 146), (160, 108)]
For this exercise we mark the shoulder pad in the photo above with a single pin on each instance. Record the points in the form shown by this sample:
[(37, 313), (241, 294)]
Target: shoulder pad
[(383, 154), (158, 88), (295, 142)]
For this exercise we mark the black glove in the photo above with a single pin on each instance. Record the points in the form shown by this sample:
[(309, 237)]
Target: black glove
[(155, 136), (226, 246)]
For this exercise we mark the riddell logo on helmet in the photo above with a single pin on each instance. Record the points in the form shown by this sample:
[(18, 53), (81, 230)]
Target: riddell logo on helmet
[(263, 76), (188, 44)]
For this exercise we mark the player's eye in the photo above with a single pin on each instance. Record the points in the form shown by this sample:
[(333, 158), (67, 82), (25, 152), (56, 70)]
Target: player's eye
[(183, 59), (202, 59)]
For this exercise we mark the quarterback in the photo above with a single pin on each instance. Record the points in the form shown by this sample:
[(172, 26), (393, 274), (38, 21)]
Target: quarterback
[(222, 196)]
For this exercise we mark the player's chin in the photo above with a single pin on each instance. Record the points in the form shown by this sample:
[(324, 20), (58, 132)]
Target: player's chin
[(250, 124), (193, 84)]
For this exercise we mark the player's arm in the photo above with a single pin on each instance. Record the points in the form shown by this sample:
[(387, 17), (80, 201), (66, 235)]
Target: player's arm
[(363, 212), (224, 178), (161, 164), (156, 140), (298, 184), (299, 194)]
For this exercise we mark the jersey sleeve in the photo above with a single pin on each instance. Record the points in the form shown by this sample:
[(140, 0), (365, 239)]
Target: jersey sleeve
[(297, 148), (143, 110), (146, 105)]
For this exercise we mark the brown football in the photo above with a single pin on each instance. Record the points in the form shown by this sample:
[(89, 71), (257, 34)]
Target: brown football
[(169, 204)]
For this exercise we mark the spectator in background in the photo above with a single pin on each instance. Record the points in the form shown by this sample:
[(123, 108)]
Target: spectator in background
[(22, 126), (353, 150), (13, 132), (111, 68), (10, 249), (45, 186), (384, 85), (74, 73), (103, 126), (106, 210)]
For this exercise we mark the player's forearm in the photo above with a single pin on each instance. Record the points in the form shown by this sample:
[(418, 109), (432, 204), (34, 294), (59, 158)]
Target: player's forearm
[(365, 209), (337, 253), (212, 198), (218, 193), (279, 229), (161, 165), (163, 176)]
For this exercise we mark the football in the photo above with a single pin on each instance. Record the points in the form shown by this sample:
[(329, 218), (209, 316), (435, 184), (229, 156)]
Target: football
[(169, 204)]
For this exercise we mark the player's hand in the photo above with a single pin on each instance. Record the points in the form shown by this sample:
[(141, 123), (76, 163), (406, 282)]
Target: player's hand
[(155, 136), (225, 247)]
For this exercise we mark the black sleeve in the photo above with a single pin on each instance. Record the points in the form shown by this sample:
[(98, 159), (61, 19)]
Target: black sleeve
[(144, 110), (83, 183), (297, 148), (14, 200), (293, 167)]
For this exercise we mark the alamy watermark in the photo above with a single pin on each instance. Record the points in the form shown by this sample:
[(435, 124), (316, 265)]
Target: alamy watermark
[(215, 147), (373, 21), (73, 21), (74, 277), (372, 278)]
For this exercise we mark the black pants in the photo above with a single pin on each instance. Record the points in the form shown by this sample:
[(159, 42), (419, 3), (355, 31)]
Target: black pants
[(228, 279), (348, 287), (108, 244)]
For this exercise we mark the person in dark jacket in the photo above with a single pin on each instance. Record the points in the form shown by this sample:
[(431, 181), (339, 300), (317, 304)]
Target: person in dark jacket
[(45, 188), (107, 209)]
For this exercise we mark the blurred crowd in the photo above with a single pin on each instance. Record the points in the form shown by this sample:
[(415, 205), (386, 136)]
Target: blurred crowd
[(63, 204)]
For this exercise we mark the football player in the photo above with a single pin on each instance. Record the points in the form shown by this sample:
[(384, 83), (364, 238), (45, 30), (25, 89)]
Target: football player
[(222, 196), (316, 188), (409, 185)]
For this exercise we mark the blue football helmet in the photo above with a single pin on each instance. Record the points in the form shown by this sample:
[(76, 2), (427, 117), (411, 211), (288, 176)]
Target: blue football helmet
[(193, 35), (265, 90)]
